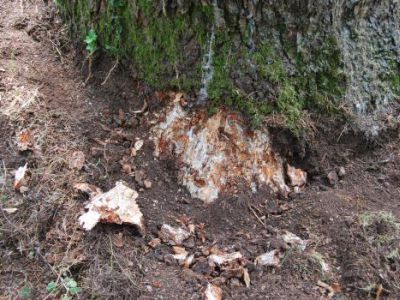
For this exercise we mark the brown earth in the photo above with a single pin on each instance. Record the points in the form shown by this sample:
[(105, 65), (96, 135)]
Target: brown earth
[(351, 226)]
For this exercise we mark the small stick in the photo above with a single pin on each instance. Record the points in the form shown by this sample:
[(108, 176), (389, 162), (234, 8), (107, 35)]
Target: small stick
[(90, 70), (109, 72), (379, 292), (142, 110), (255, 214)]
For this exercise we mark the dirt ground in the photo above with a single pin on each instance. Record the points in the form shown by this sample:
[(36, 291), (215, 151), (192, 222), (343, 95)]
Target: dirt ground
[(352, 227)]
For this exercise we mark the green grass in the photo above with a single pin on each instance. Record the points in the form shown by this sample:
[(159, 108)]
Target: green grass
[(384, 219)]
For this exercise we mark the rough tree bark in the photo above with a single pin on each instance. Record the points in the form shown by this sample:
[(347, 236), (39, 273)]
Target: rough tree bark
[(260, 57)]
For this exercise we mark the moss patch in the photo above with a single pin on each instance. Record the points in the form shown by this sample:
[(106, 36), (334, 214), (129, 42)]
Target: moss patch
[(167, 45)]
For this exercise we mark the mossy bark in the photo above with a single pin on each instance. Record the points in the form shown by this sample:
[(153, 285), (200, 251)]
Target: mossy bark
[(260, 57)]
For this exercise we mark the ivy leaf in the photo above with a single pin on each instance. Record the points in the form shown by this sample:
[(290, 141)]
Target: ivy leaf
[(70, 282), (72, 286), (51, 286), (75, 290), (90, 40), (26, 293), (91, 37)]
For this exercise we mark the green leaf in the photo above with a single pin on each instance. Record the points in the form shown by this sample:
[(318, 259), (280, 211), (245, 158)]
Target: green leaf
[(75, 290), (26, 293), (65, 297), (70, 282), (91, 37), (91, 40), (51, 286)]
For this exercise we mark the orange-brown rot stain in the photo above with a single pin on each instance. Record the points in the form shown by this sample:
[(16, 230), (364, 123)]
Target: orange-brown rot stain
[(108, 216), (200, 182), (163, 145)]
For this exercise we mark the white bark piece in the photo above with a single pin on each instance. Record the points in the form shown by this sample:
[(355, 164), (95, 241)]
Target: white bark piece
[(271, 258), (220, 259), (173, 236), (297, 177), (294, 241), (118, 206)]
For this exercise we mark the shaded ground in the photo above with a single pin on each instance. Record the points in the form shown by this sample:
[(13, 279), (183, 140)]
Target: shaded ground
[(41, 89)]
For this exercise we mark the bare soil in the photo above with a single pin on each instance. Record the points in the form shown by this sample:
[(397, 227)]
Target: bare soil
[(352, 225)]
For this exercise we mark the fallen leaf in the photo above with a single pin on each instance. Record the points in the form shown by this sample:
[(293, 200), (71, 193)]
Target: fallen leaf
[(77, 160), (327, 288), (180, 254), (138, 145), (89, 189), (133, 152), (213, 292), (118, 206), (379, 291), (25, 141), (336, 287), (188, 261), (246, 277), (19, 177), (10, 210), (126, 168), (178, 97)]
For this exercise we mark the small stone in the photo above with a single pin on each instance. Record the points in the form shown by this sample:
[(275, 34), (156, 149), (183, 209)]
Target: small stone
[(333, 178), (202, 267), (205, 252), (189, 243), (154, 243), (96, 152), (342, 172), (170, 260), (234, 282), (139, 177), (147, 184)]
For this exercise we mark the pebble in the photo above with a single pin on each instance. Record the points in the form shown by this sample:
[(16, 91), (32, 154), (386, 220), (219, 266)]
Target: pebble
[(333, 177)]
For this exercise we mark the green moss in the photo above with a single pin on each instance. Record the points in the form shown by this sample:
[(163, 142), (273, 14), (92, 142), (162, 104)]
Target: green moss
[(153, 41), (394, 78), (320, 77)]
